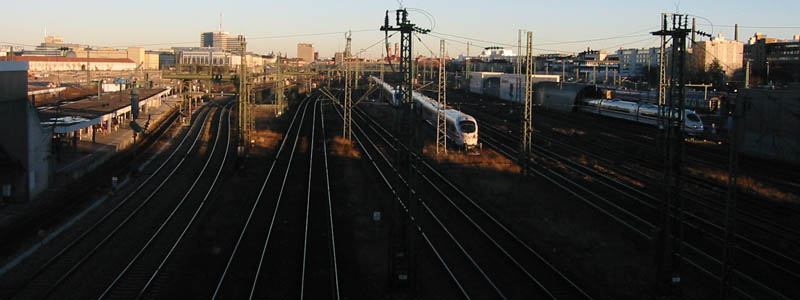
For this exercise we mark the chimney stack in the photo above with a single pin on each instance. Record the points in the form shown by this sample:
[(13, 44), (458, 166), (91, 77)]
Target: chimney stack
[(736, 32), (694, 26), (396, 50)]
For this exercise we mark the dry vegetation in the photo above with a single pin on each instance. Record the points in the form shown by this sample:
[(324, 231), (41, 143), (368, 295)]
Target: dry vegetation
[(342, 147), (593, 164), (746, 183), (267, 138), (569, 131), (487, 159)]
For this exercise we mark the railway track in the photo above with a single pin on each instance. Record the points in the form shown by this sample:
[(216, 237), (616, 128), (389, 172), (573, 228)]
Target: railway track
[(286, 248), (87, 254), (140, 274), (494, 264), (641, 207)]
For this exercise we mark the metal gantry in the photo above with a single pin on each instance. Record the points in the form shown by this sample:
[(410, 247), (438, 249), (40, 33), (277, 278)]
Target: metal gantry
[(441, 120), (527, 118), (403, 253), (669, 239)]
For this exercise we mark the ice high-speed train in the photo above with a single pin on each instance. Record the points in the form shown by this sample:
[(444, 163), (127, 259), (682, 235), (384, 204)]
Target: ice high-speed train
[(569, 97), (462, 129), (646, 113)]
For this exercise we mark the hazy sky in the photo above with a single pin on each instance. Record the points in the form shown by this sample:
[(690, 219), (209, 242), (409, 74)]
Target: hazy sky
[(269, 25)]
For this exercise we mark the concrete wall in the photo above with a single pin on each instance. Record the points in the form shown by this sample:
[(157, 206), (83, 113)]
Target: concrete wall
[(768, 122), (39, 140), (21, 135)]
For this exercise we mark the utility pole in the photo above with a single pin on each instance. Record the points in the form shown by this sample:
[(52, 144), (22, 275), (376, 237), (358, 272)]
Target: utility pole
[(403, 266), (729, 239), (88, 68), (466, 71), (747, 74), (527, 121), (279, 95), (518, 69), (669, 238), (441, 120), (244, 133), (348, 90), (348, 102)]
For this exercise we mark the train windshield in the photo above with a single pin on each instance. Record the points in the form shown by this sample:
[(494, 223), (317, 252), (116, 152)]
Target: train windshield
[(692, 117), (467, 126)]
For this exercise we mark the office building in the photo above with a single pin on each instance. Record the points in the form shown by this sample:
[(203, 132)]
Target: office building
[(305, 52)]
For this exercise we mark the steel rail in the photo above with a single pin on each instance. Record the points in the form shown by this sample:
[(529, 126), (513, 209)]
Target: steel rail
[(330, 206), (277, 204), (389, 185), (130, 216), (308, 200), (75, 241), (166, 221), (489, 216), (252, 210)]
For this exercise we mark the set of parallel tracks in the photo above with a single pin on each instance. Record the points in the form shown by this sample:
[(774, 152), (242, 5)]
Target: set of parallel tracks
[(483, 257), (286, 248), (83, 267), (637, 210)]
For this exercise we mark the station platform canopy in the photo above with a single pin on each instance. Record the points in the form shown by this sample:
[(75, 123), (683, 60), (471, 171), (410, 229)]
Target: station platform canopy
[(73, 116)]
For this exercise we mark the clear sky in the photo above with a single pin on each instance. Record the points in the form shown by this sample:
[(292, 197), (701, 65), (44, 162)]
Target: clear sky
[(276, 25)]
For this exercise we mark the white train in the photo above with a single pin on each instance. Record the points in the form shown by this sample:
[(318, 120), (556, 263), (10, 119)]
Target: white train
[(646, 113), (462, 129), (550, 94)]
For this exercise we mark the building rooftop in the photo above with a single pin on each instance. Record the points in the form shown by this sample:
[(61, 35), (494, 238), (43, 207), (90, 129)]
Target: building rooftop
[(86, 112), (67, 59)]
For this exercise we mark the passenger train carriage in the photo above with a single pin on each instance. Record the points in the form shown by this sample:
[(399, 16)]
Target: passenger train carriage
[(638, 112), (462, 129)]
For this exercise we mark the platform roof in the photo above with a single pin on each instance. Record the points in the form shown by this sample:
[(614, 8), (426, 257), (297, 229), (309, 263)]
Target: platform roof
[(81, 114)]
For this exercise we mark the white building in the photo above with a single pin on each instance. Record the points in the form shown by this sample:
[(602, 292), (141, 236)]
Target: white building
[(497, 53), (729, 53), (57, 63)]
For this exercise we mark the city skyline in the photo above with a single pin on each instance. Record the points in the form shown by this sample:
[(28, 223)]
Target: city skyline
[(590, 25)]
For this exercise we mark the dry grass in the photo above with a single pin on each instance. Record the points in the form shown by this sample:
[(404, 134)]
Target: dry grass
[(344, 148), (746, 183), (488, 159), (267, 138), (593, 164), (569, 132), (303, 145)]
